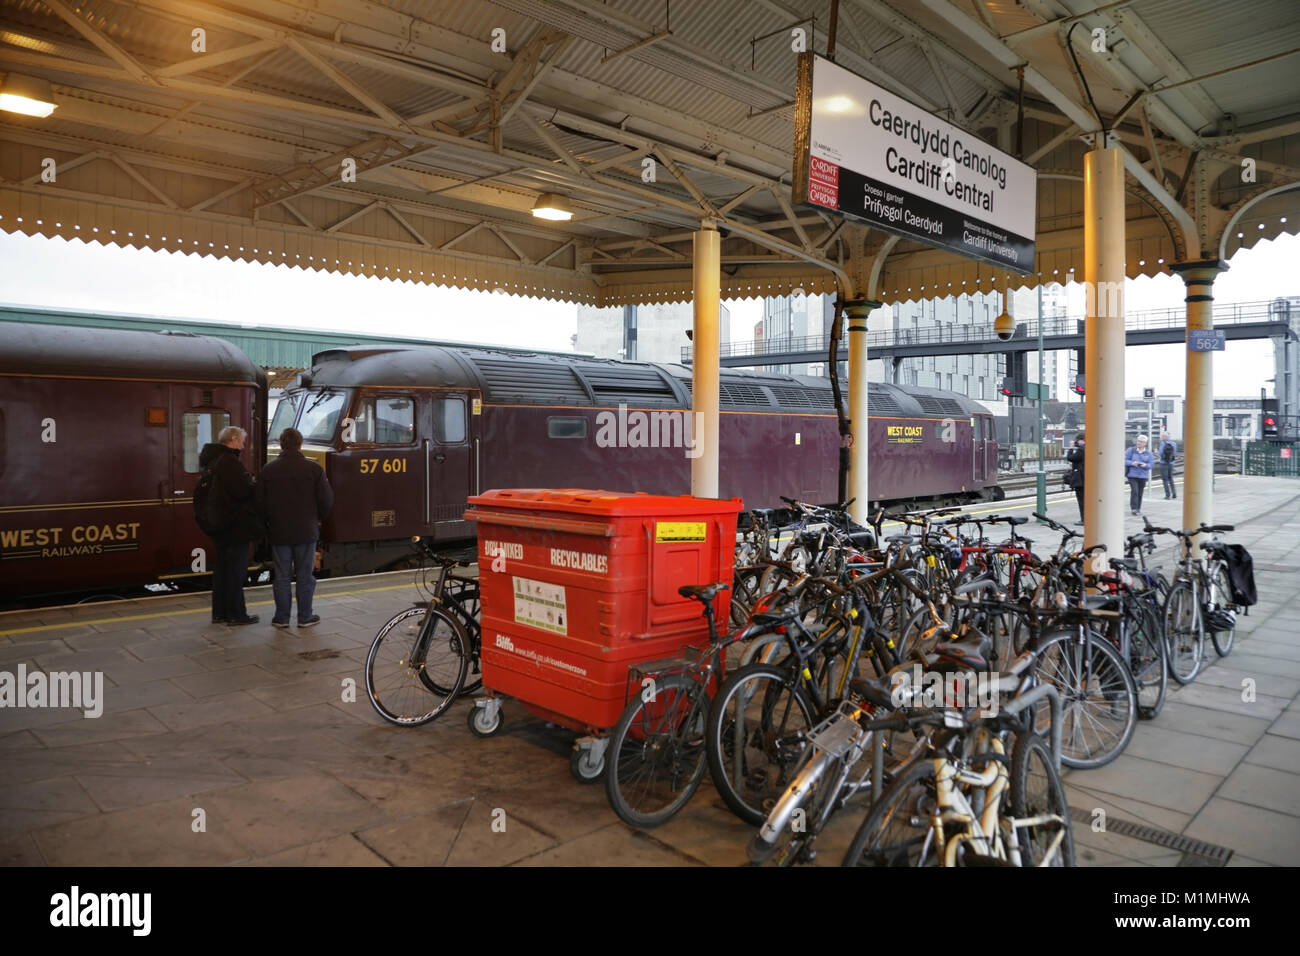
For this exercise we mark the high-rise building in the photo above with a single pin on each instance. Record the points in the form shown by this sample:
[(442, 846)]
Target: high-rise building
[(645, 333)]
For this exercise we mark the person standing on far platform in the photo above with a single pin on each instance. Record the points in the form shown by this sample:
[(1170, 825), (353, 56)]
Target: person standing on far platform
[(1168, 452), (1138, 462), (295, 496), (1074, 477), (237, 526)]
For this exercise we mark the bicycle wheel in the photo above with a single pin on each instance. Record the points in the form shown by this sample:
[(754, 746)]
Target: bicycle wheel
[(1220, 598), (416, 666), (1098, 697), (1146, 655), (1184, 638), (898, 830), (756, 733), (656, 753), (1036, 790)]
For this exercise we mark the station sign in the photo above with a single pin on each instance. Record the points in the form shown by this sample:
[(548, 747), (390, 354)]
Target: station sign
[(869, 155), (1206, 340)]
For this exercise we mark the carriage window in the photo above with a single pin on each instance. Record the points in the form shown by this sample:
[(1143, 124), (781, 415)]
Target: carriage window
[(386, 421), (566, 428), (197, 430), (320, 415), (448, 420)]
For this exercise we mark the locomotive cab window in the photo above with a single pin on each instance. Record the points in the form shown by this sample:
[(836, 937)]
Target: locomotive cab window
[(449, 421), (285, 412), (198, 429), (385, 421), (574, 427), (320, 415)]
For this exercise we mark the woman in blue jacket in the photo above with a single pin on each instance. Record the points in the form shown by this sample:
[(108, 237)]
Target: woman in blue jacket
[(1138, 463)]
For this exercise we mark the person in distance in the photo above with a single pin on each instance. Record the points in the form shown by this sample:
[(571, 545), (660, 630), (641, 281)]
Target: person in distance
[(233, 497), (1138, 462), (1074, 477), (1168, 452), (295, 497)]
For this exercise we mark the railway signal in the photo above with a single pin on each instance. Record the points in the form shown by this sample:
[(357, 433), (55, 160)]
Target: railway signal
[(1077, 387), (1269, 410)]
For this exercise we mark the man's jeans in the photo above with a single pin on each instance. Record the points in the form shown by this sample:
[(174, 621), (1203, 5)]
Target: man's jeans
[(299, 559), (1167, 477)]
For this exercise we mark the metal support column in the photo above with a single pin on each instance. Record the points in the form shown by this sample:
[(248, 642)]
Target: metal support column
[(1041, 487), (1104, 500), (856, 311), (1198, 408), (704, 366)]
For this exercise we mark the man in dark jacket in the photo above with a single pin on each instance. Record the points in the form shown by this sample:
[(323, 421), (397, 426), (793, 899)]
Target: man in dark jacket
[(233, 492), (295, 496), (1074, 477)]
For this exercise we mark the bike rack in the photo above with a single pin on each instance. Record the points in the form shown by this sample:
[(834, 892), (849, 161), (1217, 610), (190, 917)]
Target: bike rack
[(1032, 697)]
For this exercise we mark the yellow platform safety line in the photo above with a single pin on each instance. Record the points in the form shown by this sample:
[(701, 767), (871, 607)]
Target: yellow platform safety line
[(203, 610)]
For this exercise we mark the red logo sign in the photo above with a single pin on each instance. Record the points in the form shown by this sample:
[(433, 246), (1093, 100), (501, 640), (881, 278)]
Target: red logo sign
[(1286, 452), (823, 183)]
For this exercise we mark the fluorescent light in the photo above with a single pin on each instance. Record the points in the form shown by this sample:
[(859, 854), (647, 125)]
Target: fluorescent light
[(26, 95), (840, 104), (551, 206)]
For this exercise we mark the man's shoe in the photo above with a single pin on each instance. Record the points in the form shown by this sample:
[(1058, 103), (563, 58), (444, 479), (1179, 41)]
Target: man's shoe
[(1079, 524), (278, 623), (246, 619), (310, 622), (218, 620)]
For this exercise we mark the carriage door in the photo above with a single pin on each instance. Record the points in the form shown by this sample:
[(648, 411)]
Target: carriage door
[(978, 434), (449, 461), (196, 420)]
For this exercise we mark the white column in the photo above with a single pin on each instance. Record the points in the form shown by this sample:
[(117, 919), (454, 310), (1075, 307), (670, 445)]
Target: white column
[(856, 312), (704, 368), (1198, 411), (1106, 499)]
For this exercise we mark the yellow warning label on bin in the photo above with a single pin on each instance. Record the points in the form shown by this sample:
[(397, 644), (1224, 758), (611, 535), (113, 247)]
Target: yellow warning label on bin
[(680, 531)]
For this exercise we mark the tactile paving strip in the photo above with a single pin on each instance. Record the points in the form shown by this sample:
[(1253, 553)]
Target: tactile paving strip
[(1195, 852)]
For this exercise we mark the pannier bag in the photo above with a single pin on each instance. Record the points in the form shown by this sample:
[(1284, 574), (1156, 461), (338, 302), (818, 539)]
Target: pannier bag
[(1241, 575)]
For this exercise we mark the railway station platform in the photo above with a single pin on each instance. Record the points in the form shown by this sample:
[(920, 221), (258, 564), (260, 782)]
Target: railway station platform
[(247, 731)]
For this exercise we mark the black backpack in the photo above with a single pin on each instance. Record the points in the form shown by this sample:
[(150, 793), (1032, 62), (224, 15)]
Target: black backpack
[(209, 511), (1167, 453), (1241, 575)]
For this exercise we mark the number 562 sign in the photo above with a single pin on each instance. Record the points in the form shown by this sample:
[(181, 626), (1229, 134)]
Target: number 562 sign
[(387, 466)]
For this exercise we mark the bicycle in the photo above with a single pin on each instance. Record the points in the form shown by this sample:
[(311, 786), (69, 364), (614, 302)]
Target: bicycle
[(419, 662), (1191, 599), (949, 810), (655, 753)]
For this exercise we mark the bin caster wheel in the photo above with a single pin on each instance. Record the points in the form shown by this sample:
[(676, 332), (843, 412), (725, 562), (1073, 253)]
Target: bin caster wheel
[(485, 721), (585, 766)]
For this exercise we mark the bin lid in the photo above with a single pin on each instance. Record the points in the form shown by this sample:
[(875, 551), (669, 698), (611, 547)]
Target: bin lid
[(598, 502)]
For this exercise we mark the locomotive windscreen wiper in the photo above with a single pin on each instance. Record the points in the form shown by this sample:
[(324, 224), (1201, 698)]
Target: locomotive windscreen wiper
[(324, 394)]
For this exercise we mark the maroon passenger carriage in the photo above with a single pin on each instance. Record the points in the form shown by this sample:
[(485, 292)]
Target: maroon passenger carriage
[(406, 434), (100, 432)]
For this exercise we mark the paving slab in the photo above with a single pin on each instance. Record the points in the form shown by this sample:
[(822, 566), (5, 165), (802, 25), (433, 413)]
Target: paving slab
[(1265, 787), (1191, 751), (1257, 832), (1278, 752), (343, 850)]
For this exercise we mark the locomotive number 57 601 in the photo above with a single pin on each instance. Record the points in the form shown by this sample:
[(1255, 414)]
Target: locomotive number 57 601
[(389, 466)]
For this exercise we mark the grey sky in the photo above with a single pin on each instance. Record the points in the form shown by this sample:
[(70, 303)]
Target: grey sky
[(75, 275)]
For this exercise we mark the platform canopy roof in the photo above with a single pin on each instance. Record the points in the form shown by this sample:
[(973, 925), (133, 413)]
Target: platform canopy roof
[(229, 128)]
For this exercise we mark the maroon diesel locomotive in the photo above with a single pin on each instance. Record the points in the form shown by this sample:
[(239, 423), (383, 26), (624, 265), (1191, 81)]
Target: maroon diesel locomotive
[(406, 434), (100, 432)]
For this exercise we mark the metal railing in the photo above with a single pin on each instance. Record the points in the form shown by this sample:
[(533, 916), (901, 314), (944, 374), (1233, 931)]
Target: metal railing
[(1236, 313)]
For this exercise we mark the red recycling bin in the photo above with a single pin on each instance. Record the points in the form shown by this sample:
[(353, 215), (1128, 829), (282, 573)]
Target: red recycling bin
[(578, 585)]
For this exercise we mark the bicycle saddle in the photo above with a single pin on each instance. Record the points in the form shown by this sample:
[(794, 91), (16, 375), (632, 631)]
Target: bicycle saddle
[(1128, 564), (779, 615), (1211, 546), (969, 652), (862, 539), (899, 538), (874, 690), (1100, 601), (1013, 520), (702, 592)]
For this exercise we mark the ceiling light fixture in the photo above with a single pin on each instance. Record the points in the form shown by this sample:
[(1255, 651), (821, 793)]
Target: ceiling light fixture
[(27, 95), (551, 206)]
